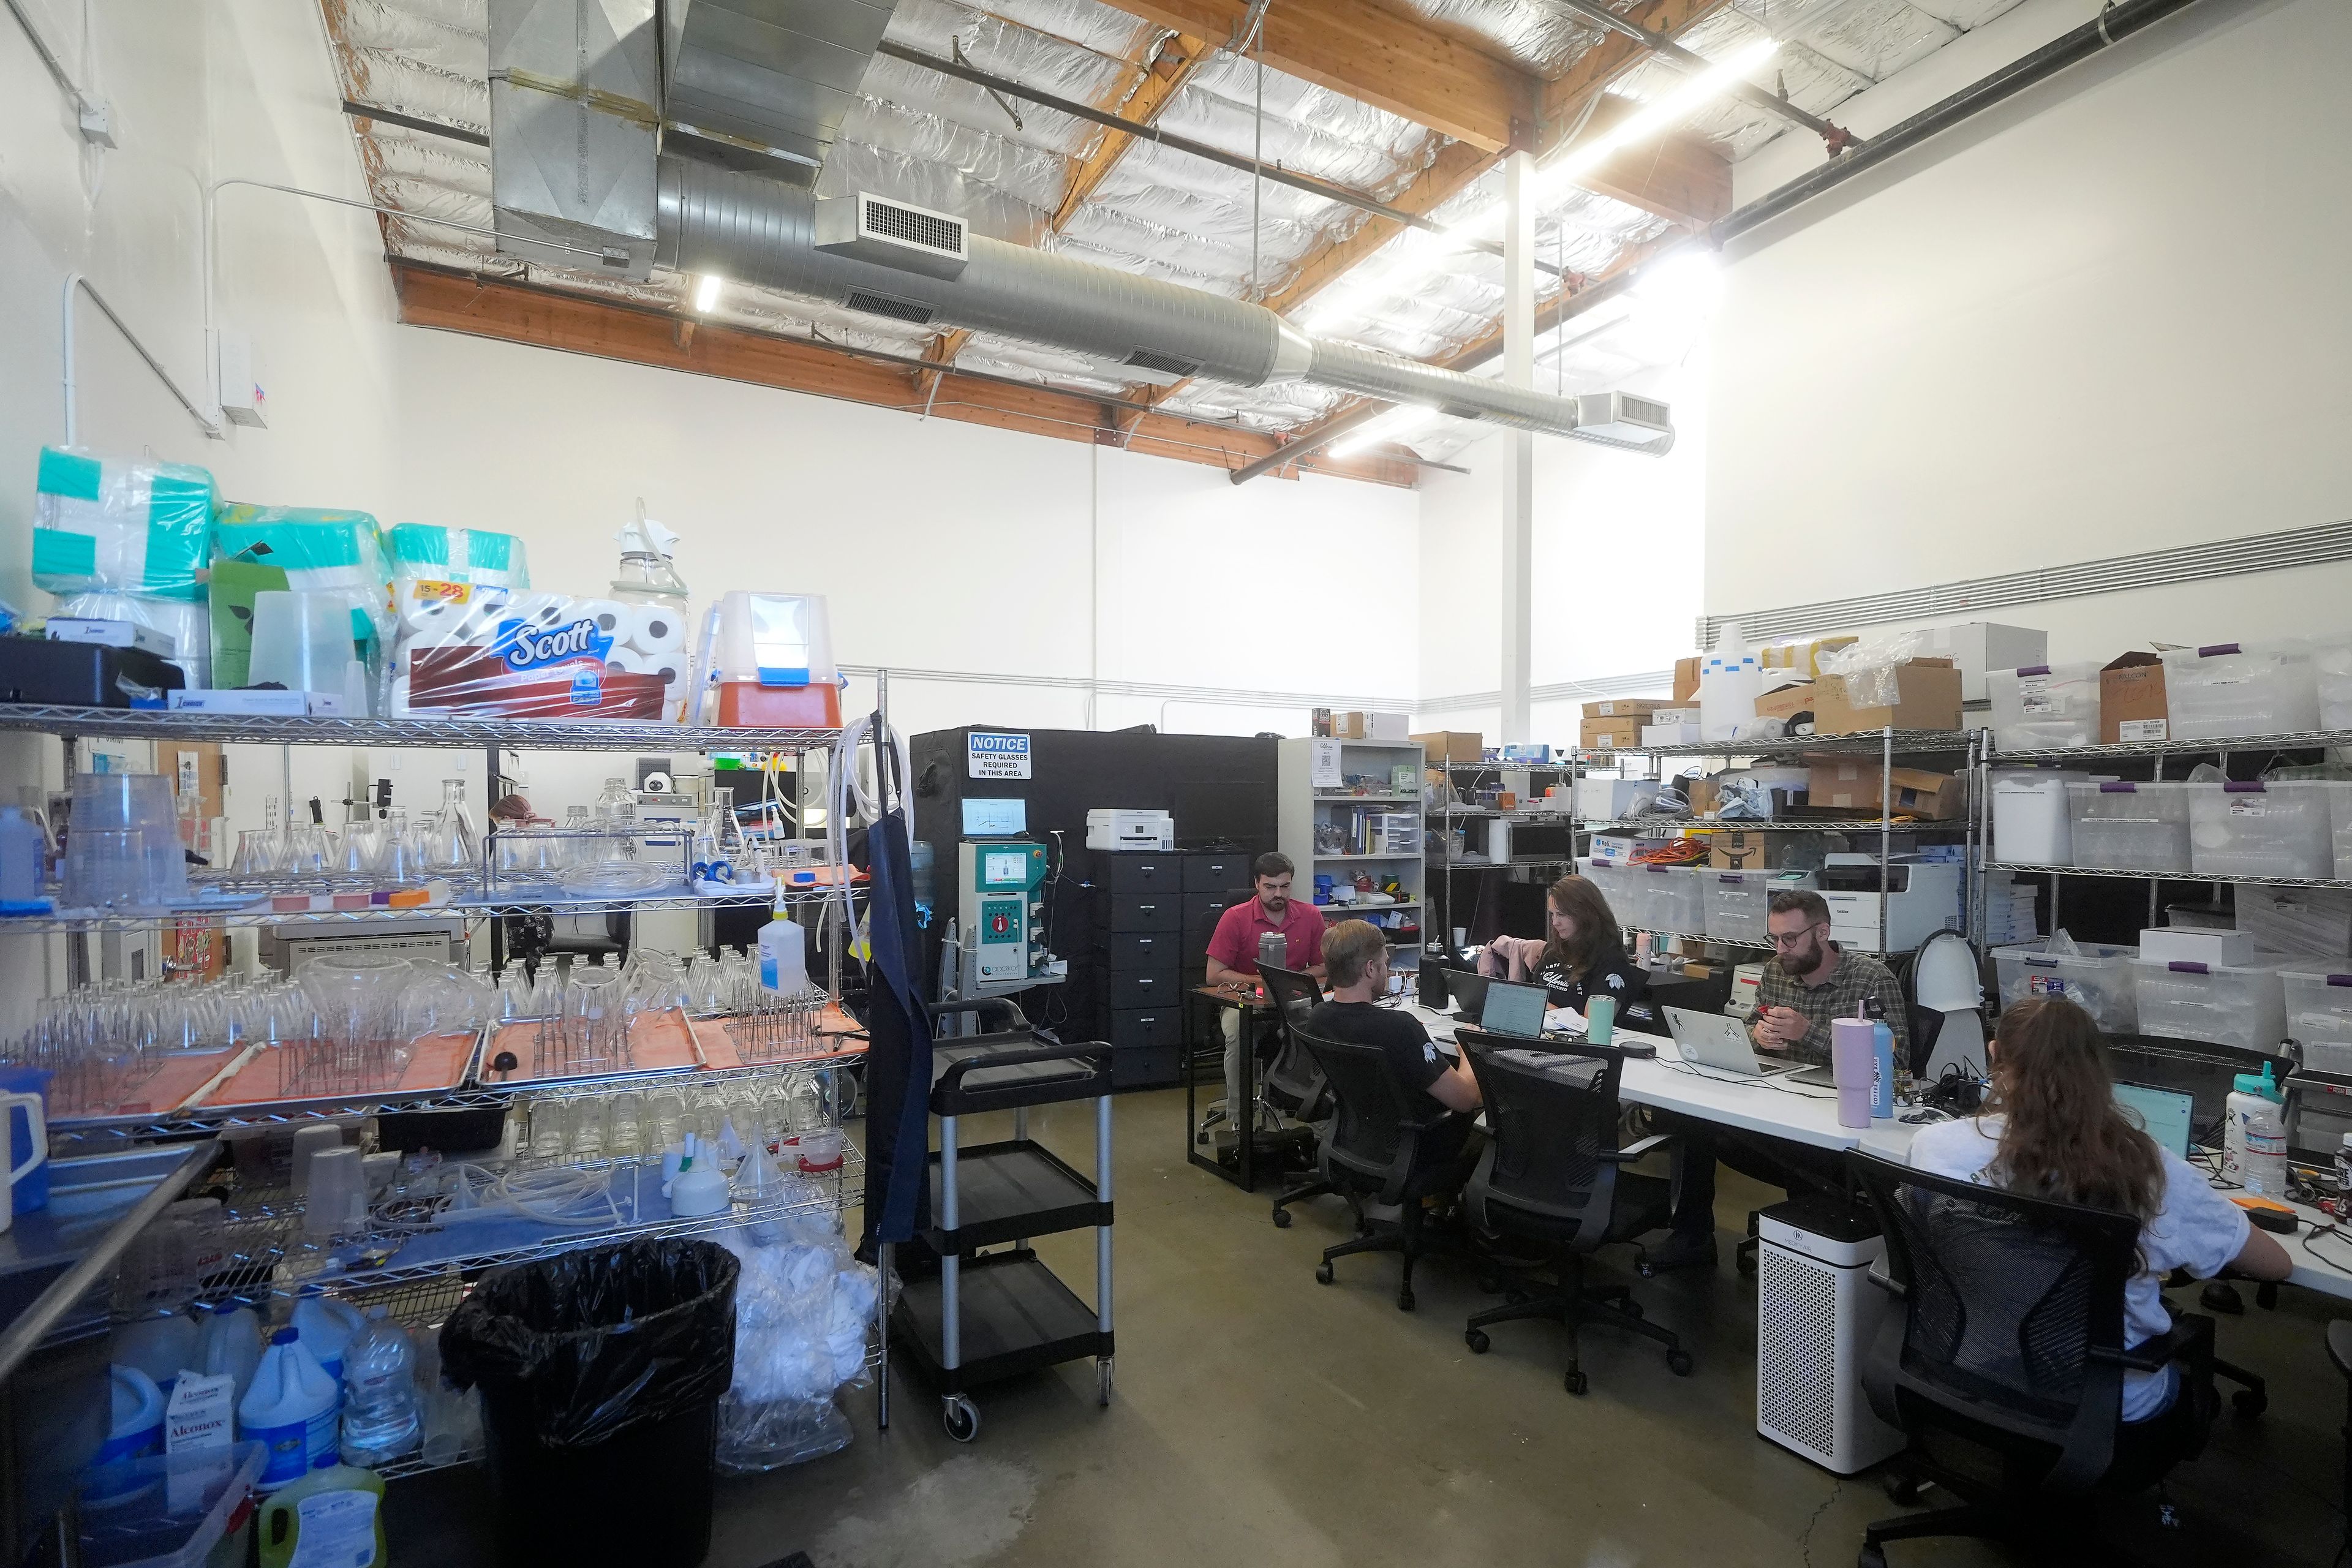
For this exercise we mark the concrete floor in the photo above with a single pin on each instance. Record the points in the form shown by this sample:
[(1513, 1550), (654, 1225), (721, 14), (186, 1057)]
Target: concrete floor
[(1260, 1417)]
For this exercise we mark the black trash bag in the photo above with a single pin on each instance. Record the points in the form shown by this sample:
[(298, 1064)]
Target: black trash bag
[(593, 1343)]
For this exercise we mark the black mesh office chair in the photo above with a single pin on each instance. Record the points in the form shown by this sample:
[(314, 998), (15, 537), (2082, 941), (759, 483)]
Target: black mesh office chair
[(2011, 1339), (1292, 1083), (1553, 1175), (1374, 1152)]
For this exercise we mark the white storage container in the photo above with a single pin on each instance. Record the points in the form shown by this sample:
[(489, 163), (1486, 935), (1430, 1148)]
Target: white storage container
[(2099, 979), (2203, 944), (1739, 902), (2242, 1005), (2295, 920), (2331, 663), (2241, 688), (2339, 819), (1667, 897), (1613, 800), (2044, 706), (2319, 1017), (2130, 827), (2261, 829), (2029, 824), (1615, 884)]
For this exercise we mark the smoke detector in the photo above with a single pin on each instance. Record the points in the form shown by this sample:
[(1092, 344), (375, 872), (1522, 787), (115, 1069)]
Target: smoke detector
[(1624, 418), (867, 228)]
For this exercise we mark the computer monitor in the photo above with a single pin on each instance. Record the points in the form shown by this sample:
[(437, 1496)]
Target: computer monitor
[(994, 818), (2162, 1113), (1513, 1009)]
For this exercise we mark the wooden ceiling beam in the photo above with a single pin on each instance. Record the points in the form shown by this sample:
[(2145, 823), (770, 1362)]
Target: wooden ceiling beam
[(1387, 59), (1676, 177), (581, 323)]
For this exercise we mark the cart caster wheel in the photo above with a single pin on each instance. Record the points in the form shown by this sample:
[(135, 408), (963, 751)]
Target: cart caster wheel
[(2250, 1402), (961, 1416), (1282, 1219), (1903, 1492), (1870, 1557), (1323, 1272), (1577, 1383), (1102, 1382), (1678, 1361), (1477, 1340), (1404, 1301)]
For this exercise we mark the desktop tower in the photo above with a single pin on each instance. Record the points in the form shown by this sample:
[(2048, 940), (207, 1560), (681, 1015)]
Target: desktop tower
[(1816, 1315)]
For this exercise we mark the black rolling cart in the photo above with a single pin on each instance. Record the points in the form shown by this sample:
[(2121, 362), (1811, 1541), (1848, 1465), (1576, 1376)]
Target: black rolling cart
[(992, 1314)]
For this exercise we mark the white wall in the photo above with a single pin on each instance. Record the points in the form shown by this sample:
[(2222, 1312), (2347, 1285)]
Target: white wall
[(2107, 317)]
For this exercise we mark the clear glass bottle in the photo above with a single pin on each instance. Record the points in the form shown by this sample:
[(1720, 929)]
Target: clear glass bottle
[(618, 803), (648, 577)]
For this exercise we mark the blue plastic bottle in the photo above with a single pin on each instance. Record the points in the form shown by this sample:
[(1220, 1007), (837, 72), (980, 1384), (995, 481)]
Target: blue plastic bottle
[(1882, 1065), (290, 1409)]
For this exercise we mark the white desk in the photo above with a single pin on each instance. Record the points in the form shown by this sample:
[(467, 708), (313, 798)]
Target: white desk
[(2314, 1272)]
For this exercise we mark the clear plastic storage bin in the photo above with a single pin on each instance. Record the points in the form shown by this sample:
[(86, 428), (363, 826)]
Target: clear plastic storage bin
[(2331, 663), (2029, 824), (1667, 897), (2295, 920), (2044, 707), (2241, 688), (1737, 902), (2130, 827), (2256, 828), (2242, 1005), (2339, 819), (1615, 883), (2319, 1017), (2098, 980)]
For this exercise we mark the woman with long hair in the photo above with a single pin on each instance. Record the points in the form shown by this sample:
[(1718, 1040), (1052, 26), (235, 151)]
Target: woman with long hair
[(1581, 955), (2052, 1128)]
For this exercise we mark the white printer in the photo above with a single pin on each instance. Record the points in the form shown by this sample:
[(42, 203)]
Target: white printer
[(1112, 827), (1921, 897)]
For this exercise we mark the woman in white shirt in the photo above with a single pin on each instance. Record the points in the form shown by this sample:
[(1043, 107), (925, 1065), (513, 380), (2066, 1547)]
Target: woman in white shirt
[(2052, 1128)]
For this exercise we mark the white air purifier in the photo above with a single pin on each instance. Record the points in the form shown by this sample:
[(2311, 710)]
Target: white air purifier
[(1816, 1315)]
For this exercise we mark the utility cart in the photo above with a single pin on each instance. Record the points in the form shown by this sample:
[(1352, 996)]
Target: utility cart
[(992, 1314)]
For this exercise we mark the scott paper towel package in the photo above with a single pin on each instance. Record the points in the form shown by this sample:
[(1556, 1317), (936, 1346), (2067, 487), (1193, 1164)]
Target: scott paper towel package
[(113, 525), (530, 655)]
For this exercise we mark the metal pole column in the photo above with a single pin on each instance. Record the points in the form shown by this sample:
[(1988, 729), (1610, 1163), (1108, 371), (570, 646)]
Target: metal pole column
[(1885, 828), (1519, 504)]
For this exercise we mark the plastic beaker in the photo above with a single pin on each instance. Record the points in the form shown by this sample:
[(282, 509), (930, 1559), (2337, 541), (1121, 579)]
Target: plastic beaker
[(303, 643)]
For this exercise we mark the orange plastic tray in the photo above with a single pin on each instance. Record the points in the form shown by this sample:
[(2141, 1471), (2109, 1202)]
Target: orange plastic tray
[(664, 1041), (435, 1062), (718, 1047)]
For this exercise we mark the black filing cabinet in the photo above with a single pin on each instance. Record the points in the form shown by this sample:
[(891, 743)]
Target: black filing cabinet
[(1154, 914)]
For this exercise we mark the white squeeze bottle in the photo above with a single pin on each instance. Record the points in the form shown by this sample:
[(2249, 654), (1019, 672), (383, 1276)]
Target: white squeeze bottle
[(229, 1341), (290, 1410), (2253, 1139), (784, 957)]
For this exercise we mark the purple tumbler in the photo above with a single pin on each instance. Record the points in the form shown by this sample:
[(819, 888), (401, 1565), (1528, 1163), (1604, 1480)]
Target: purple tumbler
[(1854, 1046)]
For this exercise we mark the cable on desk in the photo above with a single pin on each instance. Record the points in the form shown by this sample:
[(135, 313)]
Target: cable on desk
[(2313, 1233)]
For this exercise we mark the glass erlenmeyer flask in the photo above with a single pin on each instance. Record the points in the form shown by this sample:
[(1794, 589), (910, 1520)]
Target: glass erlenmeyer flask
[(309, 847), (399, 858), (355, 853), (450, 838), (725, 832)]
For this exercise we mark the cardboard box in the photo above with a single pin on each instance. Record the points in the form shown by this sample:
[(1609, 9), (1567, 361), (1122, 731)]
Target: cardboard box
[(1927, 697), (1625, 708), (1603, 734), (1976, 647), (1706, 796), (1389, 727), (1785, 702), (1450, 745), (1686, 679), (1732, 850), (1675, 715), (1851, 784), (1619, 848), (199, 768), (1670, 734), (1802, 658), (2132, 701)]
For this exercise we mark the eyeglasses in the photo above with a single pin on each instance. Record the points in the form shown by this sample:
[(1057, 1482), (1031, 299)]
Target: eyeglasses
[(1785, 940)]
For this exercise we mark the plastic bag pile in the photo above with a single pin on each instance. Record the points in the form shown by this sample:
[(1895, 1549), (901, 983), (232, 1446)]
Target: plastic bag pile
[(803, 1308)]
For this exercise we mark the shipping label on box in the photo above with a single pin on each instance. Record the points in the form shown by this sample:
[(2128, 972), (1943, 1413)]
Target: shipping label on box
[(1675, 716)]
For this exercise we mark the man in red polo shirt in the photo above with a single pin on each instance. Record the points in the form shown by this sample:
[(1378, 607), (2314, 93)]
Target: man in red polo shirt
[(1232, 950)]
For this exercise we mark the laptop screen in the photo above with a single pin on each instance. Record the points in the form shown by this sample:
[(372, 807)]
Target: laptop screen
[(2163, 1112), (1513, 1009)]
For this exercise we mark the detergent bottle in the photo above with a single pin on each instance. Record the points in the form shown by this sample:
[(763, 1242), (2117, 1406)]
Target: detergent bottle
[(330, 1518), (290, 1410)]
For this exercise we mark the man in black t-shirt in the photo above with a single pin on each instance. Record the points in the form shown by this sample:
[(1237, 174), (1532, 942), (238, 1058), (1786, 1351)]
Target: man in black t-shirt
[(1356, 957)]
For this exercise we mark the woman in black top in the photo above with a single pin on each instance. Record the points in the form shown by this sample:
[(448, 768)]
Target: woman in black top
[(1582, 957)]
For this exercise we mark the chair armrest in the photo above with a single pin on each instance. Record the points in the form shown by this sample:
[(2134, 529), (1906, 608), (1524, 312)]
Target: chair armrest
[(1638, 1150), (2191, 1337)]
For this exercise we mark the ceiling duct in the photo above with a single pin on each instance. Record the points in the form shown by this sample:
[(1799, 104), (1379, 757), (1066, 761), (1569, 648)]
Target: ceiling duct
[(891, 233), (574, 86), (714, 220), (763, 85)]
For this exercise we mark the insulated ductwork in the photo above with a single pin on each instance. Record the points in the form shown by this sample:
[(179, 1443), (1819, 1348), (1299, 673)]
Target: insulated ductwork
[(713, 220), (763, 85)]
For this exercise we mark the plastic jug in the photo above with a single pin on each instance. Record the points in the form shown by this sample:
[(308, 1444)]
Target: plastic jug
[(332, 1516), (290, 1410), (1882, 1064), (2253, 1139), (326, 1324), (229, 1341), (24, 850), (784, 957), (1729, 679), (159, 1346), (380, 1408), (18, 1162), (136, 1426), (1852, 1041)]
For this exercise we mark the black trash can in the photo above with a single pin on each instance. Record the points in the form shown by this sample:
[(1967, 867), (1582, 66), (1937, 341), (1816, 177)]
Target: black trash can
[(601, 1373)]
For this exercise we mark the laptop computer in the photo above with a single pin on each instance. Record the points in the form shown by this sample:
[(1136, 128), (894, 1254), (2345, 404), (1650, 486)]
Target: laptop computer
[(2162, 1113), (1468, 990), (1715, 1040), (1513, 1009)]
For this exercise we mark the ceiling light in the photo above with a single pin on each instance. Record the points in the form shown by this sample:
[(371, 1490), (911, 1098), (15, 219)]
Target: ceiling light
[(1688, 283), (705, 293), (1404, 418)]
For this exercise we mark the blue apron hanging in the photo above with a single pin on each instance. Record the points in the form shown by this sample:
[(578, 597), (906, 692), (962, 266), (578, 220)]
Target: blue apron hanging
[(898, 1029)]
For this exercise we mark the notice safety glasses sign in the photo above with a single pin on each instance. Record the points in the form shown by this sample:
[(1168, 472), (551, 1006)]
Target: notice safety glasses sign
[(995, 756)]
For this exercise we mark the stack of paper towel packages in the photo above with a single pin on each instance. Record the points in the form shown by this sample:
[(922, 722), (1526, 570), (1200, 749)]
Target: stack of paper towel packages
[(118, 539)]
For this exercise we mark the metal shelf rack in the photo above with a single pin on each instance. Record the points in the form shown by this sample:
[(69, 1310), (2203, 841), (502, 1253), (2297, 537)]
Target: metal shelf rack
[(444, 732), (1443, 864), (2301, 740)]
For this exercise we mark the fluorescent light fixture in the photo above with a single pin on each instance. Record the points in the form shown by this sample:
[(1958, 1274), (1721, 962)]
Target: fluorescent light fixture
[(1653, 117), (705, 293), (1403, 419)]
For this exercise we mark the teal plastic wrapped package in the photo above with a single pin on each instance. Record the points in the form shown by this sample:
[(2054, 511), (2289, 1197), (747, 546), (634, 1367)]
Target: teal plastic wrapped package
[(116, 525), (318, 550), (429, 552)]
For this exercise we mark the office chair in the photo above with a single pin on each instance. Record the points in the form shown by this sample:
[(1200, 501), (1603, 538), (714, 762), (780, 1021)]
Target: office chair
[(1292, 1083), (2011, 1339), (1372, 1154), (1552, 1175), (2340, 1351)]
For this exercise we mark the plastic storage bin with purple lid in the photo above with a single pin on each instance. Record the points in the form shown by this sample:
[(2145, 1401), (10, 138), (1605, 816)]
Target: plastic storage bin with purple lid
[(2242, 1005), (1615, 883), (1667, 899), (2319, 1018), (2339, 821), (2044, 707), (1739, 902), (2097, 978), (2127, 827), (2258, 828), (2229, 689), (2331, 662)]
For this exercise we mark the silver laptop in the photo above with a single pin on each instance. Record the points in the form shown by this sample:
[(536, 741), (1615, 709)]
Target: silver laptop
[(1513, 1009), (1713, 1040)]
